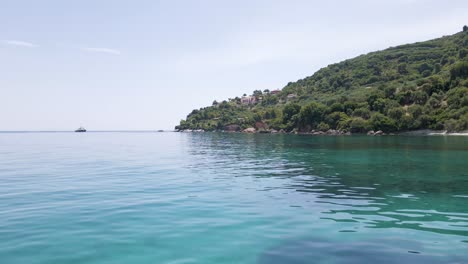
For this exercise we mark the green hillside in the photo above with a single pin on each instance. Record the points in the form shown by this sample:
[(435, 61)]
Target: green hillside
[(415, 86)]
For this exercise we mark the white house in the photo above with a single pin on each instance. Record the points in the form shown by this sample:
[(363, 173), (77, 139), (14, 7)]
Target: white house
[(248, 100)]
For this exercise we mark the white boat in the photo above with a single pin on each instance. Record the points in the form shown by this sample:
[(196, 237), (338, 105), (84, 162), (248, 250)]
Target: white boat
[(80, 129)]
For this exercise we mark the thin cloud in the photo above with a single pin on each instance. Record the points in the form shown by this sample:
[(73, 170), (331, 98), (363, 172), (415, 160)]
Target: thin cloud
[(20, 43), (103, 50)]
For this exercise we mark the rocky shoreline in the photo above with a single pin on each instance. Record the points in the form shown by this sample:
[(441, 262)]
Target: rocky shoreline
[(333, 132), (251, 130)]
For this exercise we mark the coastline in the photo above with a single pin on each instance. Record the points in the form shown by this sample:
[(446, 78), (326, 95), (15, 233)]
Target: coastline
[(422, 132), (429, 132)]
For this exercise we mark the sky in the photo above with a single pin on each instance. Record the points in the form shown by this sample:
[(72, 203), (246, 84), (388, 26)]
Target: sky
[(145, 64)]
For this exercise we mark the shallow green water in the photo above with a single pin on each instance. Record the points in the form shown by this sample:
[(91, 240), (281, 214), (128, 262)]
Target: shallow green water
[(232, 198)]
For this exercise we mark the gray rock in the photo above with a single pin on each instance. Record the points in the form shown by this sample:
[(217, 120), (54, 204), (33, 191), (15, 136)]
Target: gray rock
[(249, 130)]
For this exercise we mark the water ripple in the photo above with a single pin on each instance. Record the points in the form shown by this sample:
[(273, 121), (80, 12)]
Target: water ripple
[(231, 198)]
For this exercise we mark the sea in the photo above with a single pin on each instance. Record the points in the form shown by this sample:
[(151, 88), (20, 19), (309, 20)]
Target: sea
[(180, 198)]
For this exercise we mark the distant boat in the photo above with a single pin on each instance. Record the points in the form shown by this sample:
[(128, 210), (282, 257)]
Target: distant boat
[(81, 129)]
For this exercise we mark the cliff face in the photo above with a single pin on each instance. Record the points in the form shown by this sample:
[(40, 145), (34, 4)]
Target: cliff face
[(415, 86)]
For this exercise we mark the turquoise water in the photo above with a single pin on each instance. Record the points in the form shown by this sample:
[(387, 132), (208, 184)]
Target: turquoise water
[(232, 198)]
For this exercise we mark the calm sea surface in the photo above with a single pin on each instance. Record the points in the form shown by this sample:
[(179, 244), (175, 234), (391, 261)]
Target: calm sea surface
[(232, 198)]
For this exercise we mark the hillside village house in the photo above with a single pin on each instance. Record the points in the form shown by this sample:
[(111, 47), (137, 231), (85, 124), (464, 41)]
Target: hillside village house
[(248, 100), (275, 91)]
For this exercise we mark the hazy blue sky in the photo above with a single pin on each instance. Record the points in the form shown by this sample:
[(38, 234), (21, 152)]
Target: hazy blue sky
[(145, 64)]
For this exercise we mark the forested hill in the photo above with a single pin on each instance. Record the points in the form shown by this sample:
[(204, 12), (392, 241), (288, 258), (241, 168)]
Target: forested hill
[(415, 86)]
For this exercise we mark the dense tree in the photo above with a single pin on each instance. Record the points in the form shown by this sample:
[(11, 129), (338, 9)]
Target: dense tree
[(362, 112), (459, 70), (311, 115), (358, 125), (379, 121), (290, 110), (257, 93)]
